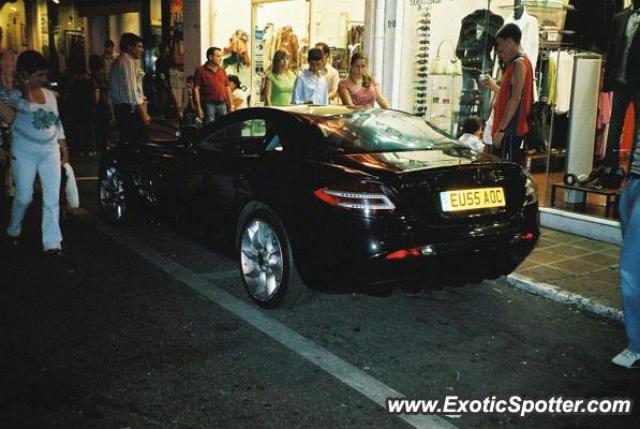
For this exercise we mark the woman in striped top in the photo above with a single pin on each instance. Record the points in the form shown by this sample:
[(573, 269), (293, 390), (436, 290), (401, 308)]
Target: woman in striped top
[(359, 89)]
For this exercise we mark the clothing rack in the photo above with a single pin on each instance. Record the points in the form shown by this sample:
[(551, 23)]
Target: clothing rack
[(558, 48)]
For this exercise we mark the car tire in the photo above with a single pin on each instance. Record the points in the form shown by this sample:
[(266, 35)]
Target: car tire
[(112, 196), (267, 265)]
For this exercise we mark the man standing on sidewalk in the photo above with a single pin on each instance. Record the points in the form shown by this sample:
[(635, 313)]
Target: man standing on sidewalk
[(515, 96), (211, 88), (630, 263), (126, 91)]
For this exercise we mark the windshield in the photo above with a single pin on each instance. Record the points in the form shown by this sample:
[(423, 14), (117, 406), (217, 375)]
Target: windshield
[(378, 130)]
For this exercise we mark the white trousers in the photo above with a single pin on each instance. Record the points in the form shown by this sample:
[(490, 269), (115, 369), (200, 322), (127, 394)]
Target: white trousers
[(28, 160)]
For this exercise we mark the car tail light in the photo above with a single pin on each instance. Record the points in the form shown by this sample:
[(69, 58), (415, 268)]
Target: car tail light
[(404, 254), (367, 197), (426, 250)]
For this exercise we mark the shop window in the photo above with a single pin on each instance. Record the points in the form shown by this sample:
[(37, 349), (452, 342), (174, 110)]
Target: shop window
[(242, 138)]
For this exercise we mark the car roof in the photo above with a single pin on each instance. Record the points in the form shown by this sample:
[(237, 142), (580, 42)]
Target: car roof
[(313, 110)]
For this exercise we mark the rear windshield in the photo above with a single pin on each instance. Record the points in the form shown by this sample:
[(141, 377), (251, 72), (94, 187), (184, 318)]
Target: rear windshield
[(378, 130)]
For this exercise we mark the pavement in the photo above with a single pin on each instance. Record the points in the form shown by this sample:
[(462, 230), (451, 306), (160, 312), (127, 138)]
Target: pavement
[(573, 270)]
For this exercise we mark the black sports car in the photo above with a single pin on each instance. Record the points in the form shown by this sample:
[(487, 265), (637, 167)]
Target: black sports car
[(331, 193)]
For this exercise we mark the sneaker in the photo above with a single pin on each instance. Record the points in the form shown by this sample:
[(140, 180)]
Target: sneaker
[(53, 252), (627, 359), (11, 240)]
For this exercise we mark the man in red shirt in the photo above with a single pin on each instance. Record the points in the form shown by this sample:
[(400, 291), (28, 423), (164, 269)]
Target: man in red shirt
[(211, 91), (515, 95)]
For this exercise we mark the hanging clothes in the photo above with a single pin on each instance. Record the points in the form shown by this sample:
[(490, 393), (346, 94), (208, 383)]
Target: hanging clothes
[(605, 103), (355, 38), (476, 41), (287, 40), (268, 43), (564, 82), (628, 130)]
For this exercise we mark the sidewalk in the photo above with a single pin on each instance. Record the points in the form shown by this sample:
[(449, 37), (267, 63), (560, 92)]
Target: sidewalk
[(573, 270)]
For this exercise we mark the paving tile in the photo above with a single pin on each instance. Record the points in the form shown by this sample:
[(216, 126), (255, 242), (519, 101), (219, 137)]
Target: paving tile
[(544, 274), (545, 242), (575, 266), (560, 236), (607, 275), (528, 263), (599, 259), (615, 252), (585, 286), (594, 245), (567, 250), (544, 256), (614, 301)]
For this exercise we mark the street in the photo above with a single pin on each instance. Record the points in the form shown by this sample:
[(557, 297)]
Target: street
[(141, 326)]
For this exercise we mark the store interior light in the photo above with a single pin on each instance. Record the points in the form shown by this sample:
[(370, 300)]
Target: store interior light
[(56, 1)]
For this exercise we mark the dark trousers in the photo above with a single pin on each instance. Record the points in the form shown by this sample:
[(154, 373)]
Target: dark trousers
[(130, 126), (511, 149), (621, 99), (83, 132)]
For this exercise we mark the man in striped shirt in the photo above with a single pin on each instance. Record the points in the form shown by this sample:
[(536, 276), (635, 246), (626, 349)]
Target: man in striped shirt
[(126, 91)]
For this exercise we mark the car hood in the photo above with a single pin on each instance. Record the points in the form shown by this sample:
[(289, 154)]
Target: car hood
[(385, 163)]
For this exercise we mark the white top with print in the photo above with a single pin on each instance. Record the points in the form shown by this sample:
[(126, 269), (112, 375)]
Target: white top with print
[(37, 123)]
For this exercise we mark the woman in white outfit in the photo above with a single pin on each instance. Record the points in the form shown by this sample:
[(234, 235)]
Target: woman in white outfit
[(38, 147)]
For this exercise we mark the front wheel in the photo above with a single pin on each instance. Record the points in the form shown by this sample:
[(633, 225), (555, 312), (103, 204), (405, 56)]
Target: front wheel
[(112, 194), (266, 260)]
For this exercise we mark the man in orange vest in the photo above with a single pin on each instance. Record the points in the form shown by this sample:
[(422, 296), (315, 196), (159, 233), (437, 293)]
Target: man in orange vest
[(515, 95)]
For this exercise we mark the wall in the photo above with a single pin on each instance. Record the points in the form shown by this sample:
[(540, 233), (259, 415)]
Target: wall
[(98, 34), (332, 18), (193, 29), (12, 17), (229, 16)]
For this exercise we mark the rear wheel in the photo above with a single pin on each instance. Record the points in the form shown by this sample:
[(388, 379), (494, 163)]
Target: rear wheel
[(266, 260), (111, 193)]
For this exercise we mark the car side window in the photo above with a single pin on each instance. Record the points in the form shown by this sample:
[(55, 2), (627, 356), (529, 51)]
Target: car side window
[(242, 138), (274, 144)]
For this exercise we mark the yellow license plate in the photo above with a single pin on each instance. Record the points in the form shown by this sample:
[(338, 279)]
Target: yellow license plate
[(472, 199)]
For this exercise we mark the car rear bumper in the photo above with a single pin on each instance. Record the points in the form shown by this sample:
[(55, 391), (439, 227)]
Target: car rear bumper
[(377, 251)]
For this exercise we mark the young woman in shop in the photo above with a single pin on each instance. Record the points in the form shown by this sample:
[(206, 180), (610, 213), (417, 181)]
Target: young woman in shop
[(279, 84), (359, 89)]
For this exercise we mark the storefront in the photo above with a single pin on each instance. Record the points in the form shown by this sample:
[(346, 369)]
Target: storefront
[(250, 31), (448, 44), (13, 21)]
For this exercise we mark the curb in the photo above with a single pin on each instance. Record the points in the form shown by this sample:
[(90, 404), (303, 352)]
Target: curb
[(554, 293)]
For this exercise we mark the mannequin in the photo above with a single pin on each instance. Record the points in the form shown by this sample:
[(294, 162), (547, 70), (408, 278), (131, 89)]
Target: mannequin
[(622, 76), (518, 9), (529, 26), (475, 44)]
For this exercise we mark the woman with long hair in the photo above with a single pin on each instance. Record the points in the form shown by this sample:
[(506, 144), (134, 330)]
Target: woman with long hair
[(359, 89), (279, 84)]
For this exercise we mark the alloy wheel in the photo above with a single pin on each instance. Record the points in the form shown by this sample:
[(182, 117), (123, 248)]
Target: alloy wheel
[(261, 260), (112, 194)]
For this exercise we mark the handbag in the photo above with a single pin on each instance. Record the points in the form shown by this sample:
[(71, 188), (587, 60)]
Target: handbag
[(440, 66), (71, 187)]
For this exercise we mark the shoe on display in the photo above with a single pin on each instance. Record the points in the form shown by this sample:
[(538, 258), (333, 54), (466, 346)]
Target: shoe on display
[(627, 359)]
